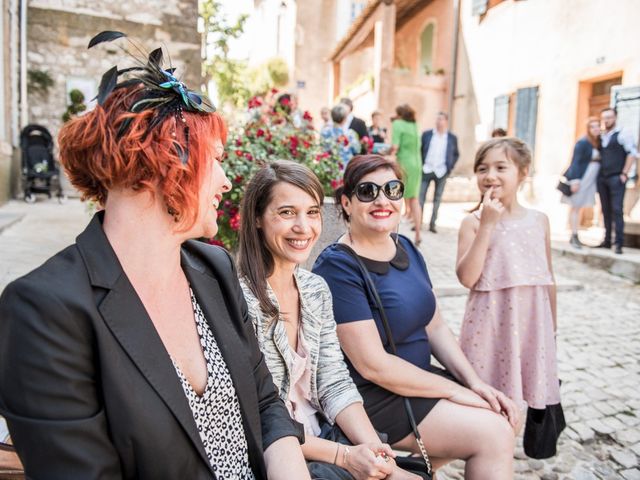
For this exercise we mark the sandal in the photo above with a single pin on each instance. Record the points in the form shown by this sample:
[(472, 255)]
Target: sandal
[(10, 472), (7, 447)]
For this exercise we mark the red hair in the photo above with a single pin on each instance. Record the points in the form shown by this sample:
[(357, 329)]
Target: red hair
[(594, 141), (97, 160)]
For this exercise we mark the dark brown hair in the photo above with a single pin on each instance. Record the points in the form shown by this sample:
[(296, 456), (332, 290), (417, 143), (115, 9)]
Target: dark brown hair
[(358, 167), (255, 260), (97, 160), (498, 132), (406, 113), (515, 149)]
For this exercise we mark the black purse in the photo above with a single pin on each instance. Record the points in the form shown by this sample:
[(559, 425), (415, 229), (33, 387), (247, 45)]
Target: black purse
[(565, 188), (542, 430), (421, 466)]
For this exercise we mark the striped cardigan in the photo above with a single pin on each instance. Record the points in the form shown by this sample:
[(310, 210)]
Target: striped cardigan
[(332, 389)]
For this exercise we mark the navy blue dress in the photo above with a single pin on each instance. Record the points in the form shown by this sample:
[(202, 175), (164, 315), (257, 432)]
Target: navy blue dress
[(407, 296)]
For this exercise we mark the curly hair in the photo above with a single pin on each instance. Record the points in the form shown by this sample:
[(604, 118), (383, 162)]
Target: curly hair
[(97, 160)]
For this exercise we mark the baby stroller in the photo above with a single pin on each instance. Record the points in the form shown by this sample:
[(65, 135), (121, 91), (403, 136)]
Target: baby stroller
[(40, 172)]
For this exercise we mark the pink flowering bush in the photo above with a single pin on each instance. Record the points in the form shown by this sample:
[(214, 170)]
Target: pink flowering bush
[(272, 132)]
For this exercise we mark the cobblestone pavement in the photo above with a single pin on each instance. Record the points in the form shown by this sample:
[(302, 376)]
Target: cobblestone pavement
[(598, 340)]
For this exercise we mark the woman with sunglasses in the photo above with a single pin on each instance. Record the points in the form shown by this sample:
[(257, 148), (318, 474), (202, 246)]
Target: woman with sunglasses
[(458, 415)]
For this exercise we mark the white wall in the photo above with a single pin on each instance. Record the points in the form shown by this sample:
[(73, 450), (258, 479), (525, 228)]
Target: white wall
[(553, 44)]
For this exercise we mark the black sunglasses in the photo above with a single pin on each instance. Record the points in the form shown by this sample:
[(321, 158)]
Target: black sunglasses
[(369, 191)]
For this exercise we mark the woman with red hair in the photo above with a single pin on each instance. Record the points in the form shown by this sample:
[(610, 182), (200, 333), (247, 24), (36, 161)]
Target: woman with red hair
[(130, 353)]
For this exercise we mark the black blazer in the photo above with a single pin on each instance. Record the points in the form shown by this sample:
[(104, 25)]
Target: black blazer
[(88, 389), (452, 154), (358, 126), (582, 154)]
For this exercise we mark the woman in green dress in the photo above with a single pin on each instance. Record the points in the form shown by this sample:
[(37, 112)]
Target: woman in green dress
[(406, 146)]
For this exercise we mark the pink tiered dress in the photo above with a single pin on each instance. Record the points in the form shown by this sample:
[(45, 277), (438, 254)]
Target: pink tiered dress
[(507, 332)]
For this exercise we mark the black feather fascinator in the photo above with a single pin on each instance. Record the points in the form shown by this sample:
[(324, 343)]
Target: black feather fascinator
[(162, 92)]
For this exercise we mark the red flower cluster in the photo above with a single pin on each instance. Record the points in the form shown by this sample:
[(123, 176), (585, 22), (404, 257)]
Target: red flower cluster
[(294, 142), (367, 142), (307, 116), (255, 102), (343, 140), (321, 156), (234, 222)]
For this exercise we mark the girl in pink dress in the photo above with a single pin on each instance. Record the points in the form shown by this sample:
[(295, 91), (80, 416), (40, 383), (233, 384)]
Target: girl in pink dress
[(508, 331)]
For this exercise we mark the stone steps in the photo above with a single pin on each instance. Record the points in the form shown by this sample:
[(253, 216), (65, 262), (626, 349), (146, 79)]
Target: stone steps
[(626, 265)]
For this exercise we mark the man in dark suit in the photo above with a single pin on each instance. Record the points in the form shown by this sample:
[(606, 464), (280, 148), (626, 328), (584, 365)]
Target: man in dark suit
[(618, 153), (439, 156), (356, 124)]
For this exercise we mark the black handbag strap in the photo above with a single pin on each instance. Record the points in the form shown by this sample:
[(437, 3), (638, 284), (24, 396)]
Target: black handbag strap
[(373, 292)]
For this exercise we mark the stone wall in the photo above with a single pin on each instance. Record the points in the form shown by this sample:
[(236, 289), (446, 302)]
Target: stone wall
[(5, 108), (59, 31), (315, 39)]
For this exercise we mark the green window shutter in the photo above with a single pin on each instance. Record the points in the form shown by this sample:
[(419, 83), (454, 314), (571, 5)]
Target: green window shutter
[(501, 112), (527, 115), (479, 7)]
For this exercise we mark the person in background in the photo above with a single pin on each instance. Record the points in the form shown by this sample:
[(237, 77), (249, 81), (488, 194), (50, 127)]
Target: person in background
[(618, 153), (498, 132), (340, 135), (504, 258), (288, 104), (439, 156), (325, 116), (354, 123), (130, 355), (582, 175), (406, 146), (474, 422), (376, 131), (292, 314)]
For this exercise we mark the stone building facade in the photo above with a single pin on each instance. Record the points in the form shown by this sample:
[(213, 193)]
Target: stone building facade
[(303, 33), (59, 31), (395, 52), (539, 69), (8, 107), (54, 47)]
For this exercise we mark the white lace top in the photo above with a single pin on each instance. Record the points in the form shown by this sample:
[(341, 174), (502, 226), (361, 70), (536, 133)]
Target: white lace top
[(217, 411)]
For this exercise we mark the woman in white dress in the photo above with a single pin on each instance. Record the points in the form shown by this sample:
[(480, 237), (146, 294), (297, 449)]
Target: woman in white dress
[(582, 175)]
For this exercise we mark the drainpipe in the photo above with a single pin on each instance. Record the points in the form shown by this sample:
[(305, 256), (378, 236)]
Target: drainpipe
[(24, 112), (14, 44), (454, 58)]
